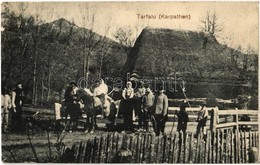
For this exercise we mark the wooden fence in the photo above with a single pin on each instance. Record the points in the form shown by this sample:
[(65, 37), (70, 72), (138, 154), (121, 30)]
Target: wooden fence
[(222, 146)]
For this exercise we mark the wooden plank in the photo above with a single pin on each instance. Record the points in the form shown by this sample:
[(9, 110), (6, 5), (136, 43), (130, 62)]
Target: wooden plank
[(84, 153), (197, 149), (223, 125), (228, 146), (147, 149), (214, 148), (170, 140), (180, 158), (164, 148), (190, 108), (203, 143), (191, 160), (237, 147), (221, 152), (245, 147), (232, 148), (158, 154), (176, 154), (242, 147), (240, 112), (174, 136), (95, 150), (138, 149), (248, 123), (151, 158), (186, 145), (207, 148)]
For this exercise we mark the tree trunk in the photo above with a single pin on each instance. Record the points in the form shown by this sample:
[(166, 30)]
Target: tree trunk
[(34, 83), (49, 84), (42, 92)]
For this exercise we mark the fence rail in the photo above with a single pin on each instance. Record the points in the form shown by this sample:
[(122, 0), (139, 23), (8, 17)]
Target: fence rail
[(222, 146)]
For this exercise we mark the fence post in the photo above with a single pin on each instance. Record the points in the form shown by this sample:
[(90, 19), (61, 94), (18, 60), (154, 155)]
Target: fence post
[(253, 155), (57, 107)]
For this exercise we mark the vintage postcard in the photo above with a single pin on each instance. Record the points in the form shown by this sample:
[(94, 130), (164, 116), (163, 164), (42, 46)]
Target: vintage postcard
[(129, 82)]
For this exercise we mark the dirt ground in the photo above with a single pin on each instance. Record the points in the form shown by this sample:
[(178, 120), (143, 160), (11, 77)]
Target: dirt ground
[(16, 146)]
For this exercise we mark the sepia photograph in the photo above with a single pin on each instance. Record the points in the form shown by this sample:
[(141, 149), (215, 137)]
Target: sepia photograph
[(130, 82)]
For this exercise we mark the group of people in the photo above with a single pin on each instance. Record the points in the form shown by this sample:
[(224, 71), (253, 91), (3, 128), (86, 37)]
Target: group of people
[(11, 105), (146, 106), (140, 104), (137, 104)]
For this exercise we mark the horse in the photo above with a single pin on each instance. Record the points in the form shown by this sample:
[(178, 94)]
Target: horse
[(86, 97), (109, 109)]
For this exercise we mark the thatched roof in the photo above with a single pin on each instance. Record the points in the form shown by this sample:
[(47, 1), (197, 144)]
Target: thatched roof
[(161, 52)]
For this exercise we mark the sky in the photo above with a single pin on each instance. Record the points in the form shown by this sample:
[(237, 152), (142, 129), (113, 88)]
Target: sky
[(239, 20)]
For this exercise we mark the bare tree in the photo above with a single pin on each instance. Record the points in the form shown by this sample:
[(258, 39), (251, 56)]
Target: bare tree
[(90, 40), (125, 37), (210, 24)]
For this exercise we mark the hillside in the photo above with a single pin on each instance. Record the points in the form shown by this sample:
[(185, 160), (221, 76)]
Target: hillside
[(50, 55)]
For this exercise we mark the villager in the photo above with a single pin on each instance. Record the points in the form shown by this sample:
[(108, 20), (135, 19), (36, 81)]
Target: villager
[(183, 117), (202, 119), (100, 95), (128, 94), (6, 109), (138, 105), (17, 102), (147, 110), (161, 112), (72, 106)]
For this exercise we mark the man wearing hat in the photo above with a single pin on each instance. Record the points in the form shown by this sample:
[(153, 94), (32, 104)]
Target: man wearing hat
[(160, 112)]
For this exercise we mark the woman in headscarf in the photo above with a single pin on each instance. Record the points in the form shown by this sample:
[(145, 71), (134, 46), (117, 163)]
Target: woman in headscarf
[(128, 94)]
